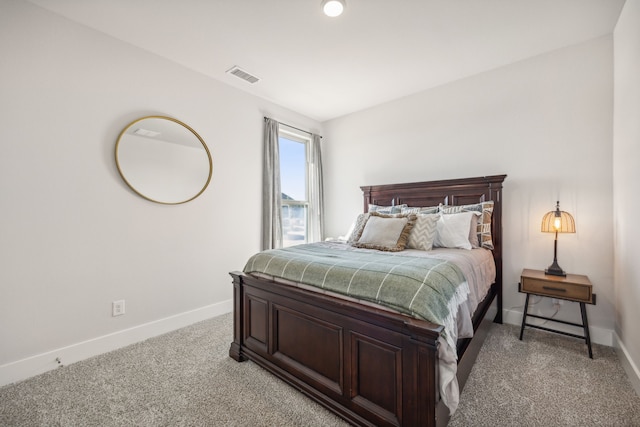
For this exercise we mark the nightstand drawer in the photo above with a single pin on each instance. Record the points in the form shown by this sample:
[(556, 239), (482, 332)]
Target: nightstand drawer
[(561, 290)]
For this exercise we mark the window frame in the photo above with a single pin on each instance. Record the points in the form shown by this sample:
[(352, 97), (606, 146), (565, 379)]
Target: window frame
[(291, 134)]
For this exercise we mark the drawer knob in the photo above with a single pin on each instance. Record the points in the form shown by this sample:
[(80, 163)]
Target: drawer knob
[(551, 288)]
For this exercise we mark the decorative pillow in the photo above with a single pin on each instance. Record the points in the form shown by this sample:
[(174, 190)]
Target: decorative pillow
[(358, 226), (423, 232), (452, 230), (485, 209), (386, 209), (386, 232), (473, 231), (423, 210), (473, 223)]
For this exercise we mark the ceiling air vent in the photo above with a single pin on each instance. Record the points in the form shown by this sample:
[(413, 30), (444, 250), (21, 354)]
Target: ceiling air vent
[(239, 72)]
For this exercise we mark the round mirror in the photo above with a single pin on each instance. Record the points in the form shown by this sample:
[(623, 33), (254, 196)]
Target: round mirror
[(163, 160)]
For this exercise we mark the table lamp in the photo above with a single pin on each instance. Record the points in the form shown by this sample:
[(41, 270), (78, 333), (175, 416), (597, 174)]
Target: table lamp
[(557, 222)]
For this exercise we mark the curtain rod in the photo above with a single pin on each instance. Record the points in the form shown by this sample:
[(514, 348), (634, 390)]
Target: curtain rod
[(293, 127)]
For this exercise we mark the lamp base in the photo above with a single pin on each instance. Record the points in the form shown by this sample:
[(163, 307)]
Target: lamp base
[(555, 270)]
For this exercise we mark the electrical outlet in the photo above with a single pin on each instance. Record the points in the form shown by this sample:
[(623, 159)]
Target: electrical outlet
[(117, 308)]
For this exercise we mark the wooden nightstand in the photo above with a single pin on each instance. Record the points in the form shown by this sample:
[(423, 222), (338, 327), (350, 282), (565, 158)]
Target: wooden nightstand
[(572, 287)]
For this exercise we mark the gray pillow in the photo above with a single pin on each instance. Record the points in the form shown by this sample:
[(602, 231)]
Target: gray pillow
[(395, 209), (386, 232), (358, 226)]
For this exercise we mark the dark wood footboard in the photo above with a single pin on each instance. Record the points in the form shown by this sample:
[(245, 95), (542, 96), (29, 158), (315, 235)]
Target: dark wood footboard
[(369, 366)]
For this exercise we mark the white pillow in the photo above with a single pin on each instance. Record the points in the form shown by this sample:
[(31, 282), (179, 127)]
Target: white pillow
[(452, 230)]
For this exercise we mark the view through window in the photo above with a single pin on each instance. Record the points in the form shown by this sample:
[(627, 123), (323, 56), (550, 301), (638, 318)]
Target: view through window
[(293, 183)]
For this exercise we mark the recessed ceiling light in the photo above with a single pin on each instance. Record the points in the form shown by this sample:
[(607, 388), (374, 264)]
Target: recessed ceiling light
[(333, 7)]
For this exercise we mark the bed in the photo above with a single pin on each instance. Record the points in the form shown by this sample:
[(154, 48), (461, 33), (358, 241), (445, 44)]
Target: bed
[(368, 364)]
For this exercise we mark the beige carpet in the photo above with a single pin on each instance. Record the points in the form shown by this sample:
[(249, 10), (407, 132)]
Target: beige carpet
[(545, 380), (185, 378)]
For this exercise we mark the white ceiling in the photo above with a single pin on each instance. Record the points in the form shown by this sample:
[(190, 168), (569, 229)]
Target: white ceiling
[(322, 67)]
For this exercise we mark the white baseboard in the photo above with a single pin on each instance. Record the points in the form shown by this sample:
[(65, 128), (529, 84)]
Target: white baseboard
[(40, 363), (632, 370), (598, 335)]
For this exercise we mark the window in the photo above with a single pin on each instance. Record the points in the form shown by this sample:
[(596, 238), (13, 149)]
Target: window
[(294, 186)]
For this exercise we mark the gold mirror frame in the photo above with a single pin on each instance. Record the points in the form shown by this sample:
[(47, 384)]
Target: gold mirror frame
[(140, 192)]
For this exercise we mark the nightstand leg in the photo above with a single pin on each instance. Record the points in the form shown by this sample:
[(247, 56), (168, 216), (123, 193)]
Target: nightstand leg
[(585, 324), (524, 316)]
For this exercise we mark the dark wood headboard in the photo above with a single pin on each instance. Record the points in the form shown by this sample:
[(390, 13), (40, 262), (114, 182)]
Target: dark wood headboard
[(463, 191)]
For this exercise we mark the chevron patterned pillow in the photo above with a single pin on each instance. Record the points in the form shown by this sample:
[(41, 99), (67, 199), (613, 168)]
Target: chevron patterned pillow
[(423, 232)]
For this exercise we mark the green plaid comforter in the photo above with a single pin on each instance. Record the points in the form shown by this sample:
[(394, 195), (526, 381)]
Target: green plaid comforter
[(425, 288)]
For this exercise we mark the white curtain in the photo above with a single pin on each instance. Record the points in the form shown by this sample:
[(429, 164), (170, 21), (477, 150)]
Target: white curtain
[(316, 191), (271, 193)]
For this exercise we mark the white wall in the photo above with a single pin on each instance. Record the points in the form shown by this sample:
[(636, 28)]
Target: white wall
[(73, 236), (626, 175), (546, 122)]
